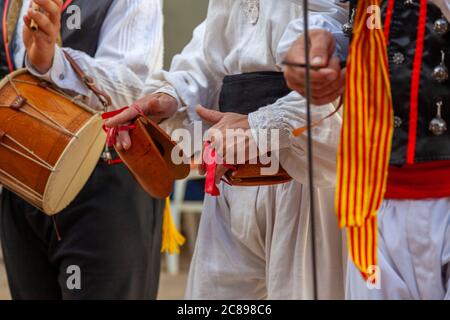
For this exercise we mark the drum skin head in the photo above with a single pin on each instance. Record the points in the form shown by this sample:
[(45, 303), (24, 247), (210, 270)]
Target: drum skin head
[(75, 166)]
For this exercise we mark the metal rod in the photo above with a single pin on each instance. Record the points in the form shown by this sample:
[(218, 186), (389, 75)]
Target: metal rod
[(343, 64), (310, 142)]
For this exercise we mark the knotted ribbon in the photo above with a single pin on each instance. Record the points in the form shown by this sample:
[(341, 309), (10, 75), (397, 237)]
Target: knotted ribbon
[(209, 165)]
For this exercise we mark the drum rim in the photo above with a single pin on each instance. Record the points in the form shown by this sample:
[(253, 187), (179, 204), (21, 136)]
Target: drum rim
[(24, 71), (94, 142), (63, 157)]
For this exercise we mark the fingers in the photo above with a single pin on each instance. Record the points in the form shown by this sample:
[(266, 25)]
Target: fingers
[(52, 8), (123, 118), (326, 84), (154, 108), (123, 141), (326, 99), (297, 52), (296, 78), (209, 116), (27, 21), (335, 90), (59, 3), (45, 25), (333, 82), (220, 172), (322, 47)]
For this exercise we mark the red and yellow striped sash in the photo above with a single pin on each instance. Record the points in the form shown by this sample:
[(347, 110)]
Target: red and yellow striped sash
[(366, 138)]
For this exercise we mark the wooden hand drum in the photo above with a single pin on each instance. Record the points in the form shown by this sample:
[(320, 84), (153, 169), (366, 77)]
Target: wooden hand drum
[(49, 143)]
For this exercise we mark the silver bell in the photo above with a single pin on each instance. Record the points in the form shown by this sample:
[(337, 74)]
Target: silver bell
[(398, 122), (441, 26), (107, 156), (347, 29), (440, 73), (438, 125)]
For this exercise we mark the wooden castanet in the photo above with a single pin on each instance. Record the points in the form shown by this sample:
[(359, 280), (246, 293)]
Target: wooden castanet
[(150, 158), (249, 175), (49, 143)]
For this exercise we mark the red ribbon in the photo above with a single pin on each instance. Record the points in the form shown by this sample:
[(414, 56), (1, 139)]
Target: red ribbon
[(66, 5), (111, 133), (210, 166)]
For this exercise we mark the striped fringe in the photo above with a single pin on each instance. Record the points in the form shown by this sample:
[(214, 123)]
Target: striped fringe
[(366, 139)]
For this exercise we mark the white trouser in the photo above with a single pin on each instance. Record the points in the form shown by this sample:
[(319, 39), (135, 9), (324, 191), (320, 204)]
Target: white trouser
[(254, 243), (414, 252)]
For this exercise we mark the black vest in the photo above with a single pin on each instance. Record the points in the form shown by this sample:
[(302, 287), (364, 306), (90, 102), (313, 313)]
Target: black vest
[(85, 39), (401, 54)]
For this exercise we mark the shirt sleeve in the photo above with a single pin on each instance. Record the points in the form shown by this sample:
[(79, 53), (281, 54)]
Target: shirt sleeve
[(130, 49), (191, 79), (288, 114), (444, 5), (323, 14)]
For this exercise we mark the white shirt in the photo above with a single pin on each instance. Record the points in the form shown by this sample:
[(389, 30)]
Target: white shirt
[(130, 49), (228, 43)]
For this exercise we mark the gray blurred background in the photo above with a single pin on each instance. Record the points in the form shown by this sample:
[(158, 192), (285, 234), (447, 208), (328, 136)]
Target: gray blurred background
[(181, 17)]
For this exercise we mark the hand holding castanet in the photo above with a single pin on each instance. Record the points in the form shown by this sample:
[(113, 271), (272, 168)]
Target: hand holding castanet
[(157, 106)]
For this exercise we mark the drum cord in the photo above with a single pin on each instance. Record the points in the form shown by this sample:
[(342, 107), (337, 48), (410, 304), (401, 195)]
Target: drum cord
[(39, 161), (51, 122), (5, 37)]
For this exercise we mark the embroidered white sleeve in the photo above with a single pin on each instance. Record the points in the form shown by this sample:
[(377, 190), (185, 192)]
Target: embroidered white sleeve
[(190, 80), (324, 14), (288, 114)]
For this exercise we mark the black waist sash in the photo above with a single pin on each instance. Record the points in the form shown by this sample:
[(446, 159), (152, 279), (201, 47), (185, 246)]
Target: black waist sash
[(247, 92)]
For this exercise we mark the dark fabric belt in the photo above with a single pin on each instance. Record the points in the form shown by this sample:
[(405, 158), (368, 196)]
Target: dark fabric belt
[(247, 92)]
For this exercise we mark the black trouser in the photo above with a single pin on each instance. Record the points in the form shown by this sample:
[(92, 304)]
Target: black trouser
[(111, 232)]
